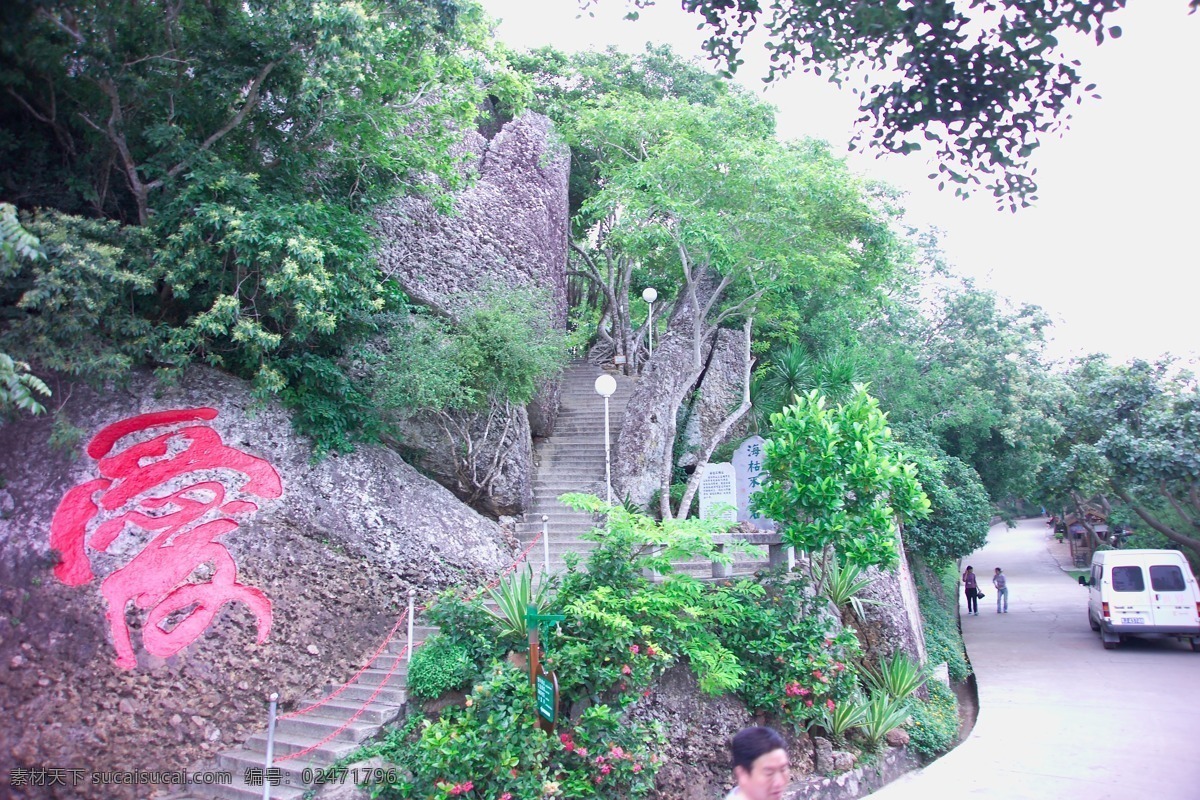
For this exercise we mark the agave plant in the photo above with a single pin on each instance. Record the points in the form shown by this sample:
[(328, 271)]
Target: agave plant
[(882, 715), (841, 717), (513, 596), (841, 583), (897, 677)]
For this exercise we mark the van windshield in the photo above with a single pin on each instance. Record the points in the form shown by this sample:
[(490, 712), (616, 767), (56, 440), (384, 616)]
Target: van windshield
[(1166, 578), (1128, 579)]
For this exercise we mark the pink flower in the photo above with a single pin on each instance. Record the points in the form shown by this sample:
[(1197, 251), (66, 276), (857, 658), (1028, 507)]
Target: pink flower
[(808, 703), (792, 689), (633, 648), (637, 767), (625, 670), (829, 642), (829, 704), (581, 752), (650, 651), (567, 742), (462, 788), (617, 752), (838, 667), (817, 674), (605, 769), (505, 796)]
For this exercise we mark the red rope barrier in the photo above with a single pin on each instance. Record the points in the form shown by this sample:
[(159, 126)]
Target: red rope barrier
[(374, 657), (356, 715)]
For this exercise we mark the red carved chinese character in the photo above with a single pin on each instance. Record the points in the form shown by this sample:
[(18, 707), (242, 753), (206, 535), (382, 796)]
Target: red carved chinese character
[(185, 525)]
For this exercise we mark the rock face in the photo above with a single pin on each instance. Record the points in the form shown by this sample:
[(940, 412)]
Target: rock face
[(719, 393), (262, 571), (498, 477), (509, 230), (642, 448), (698, 728)]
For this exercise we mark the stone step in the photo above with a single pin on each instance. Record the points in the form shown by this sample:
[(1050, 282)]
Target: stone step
[(293, 771), (340, 708), (294, 743), (317, 728), (240, 790), (391, 694)]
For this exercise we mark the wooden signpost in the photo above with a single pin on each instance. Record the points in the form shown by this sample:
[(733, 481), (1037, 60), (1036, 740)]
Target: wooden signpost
[(545, 684)]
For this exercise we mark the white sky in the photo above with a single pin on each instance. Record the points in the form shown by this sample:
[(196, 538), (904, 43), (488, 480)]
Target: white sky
[(1108, 250)]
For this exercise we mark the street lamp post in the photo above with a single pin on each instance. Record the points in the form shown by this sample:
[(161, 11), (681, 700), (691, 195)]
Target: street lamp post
[(605, 386), (650, 295)]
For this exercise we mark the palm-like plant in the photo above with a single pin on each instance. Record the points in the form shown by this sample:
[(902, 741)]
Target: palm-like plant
[(897, 677), (882, 715), (841, 583), (513, 596), (843, 716)]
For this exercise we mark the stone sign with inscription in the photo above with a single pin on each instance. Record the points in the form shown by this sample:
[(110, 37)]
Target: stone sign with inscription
[(748, 466)]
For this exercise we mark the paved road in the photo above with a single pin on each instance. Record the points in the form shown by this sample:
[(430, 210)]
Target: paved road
[(1059, 716)]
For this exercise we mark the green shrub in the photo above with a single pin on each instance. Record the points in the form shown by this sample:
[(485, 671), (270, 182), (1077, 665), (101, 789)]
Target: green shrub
[(933, 727), (943, 641), (881, 715), (467, 622), (897, 677), (439, 665), (491, 747)]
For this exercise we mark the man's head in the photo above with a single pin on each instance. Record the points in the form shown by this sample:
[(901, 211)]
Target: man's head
[(760, 763), (997, 570), (970, 569)]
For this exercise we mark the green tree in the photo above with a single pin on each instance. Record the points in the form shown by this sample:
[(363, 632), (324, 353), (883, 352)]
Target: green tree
[(1132, 437), (19, 389), (838, 483), (982, 81), (247, 144)]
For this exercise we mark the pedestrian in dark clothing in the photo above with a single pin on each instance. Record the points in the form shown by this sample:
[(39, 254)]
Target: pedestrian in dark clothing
[(972, 589)]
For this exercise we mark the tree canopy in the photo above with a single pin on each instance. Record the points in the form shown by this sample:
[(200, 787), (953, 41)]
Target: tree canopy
[(981, 82)]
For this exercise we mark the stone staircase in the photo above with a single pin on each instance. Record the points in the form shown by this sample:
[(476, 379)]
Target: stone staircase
[(572, 460), (346, 719)]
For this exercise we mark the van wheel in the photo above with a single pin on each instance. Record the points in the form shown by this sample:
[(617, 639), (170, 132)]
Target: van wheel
[(1110, 645), (1092, 621), (1196, 645)]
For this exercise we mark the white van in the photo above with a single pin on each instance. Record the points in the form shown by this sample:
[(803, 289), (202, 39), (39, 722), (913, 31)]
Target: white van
[(1133, 592)]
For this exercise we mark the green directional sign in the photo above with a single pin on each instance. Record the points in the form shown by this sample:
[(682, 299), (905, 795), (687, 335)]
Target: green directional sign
[(547, 697)]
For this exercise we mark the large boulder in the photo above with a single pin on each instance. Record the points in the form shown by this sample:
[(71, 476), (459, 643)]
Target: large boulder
[(893, 622), (508, 229), (145, 633)]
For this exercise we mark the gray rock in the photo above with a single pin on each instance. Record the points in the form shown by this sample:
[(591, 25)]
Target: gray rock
[(498, 478), (509, 229), (698, 728), (842, 761), (642, 447), (893, 623), (348, 534), (824, 755), (719, 393)]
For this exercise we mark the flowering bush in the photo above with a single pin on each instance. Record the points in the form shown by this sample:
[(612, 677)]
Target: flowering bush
[(491, 748), (796, 662)]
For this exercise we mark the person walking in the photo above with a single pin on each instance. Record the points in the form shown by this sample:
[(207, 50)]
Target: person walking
[(760, 765), (1001, 584), (971, 586)]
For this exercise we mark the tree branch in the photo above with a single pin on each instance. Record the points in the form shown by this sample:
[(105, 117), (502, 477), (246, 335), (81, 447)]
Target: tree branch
[(1150, 520)]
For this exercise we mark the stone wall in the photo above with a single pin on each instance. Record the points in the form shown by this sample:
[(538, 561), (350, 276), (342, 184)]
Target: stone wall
[(263, 571)]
